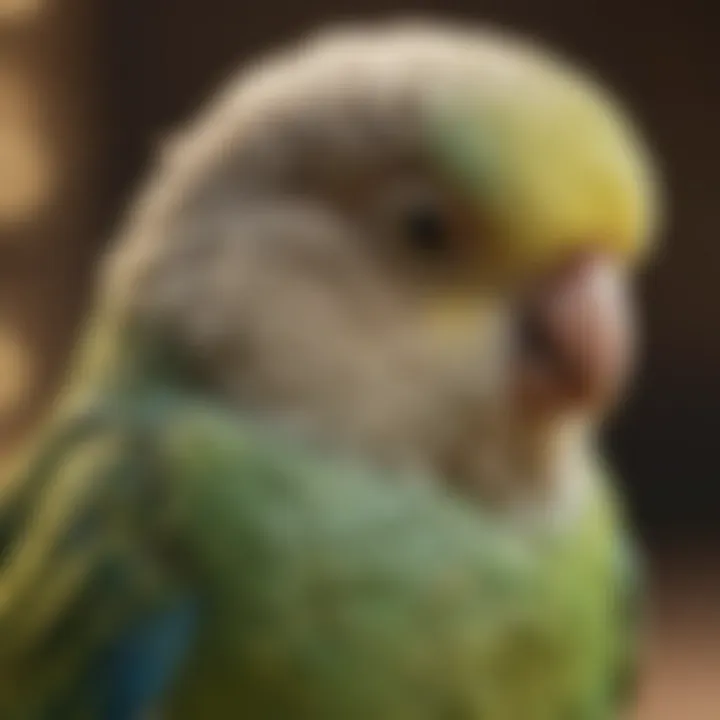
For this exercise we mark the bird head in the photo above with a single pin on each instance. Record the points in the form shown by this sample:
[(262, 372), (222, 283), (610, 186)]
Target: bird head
[(411, 242)]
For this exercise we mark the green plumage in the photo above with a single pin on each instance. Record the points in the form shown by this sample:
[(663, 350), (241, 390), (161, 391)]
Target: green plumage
[(327, 590)]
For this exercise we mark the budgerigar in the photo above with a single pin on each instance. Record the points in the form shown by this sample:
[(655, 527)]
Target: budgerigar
[(329, 449)]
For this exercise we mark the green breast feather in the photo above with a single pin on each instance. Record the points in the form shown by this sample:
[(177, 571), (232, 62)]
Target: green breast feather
[(327, 590)]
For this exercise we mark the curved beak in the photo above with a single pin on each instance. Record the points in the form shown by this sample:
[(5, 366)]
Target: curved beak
[(576, 338)]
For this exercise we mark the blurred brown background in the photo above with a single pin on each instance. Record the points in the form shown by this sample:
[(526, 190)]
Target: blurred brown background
[(88, 87)]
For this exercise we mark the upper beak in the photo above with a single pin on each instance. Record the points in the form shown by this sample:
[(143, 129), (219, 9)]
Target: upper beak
[(576, 337)]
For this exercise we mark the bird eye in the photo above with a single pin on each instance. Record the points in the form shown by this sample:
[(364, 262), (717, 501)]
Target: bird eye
[(425, 230)]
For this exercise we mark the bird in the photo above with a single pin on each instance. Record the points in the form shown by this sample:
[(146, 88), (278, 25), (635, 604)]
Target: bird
[(328, 447)]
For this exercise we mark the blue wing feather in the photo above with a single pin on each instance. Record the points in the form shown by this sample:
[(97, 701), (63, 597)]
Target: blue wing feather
[(140, 669)]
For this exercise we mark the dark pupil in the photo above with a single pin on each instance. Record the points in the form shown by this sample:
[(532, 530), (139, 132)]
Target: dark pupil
[(426, 230)]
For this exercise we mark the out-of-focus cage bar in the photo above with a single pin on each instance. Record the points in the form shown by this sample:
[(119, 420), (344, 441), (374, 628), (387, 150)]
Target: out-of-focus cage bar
[(49, 173)]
